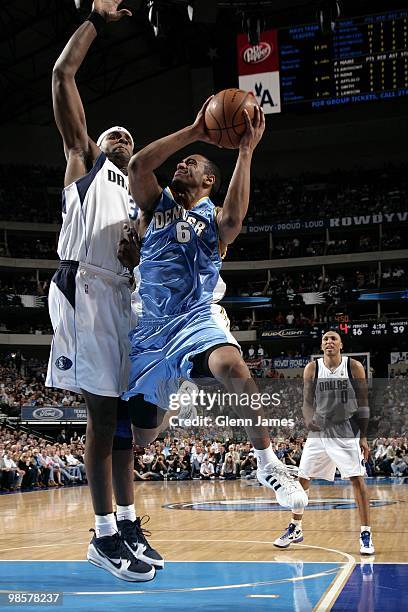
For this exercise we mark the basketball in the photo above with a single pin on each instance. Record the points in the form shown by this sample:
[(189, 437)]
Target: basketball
[(224, 118)]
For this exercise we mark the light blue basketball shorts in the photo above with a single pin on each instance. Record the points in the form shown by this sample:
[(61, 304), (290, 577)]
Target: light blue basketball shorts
[(162, 350)]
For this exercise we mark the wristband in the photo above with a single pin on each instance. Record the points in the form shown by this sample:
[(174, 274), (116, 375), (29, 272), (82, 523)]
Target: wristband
[(98, 22), (363, 412)]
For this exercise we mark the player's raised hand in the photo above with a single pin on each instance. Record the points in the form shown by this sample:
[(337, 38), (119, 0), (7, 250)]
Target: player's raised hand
[(198, 126), (254, 129), (109, 9)]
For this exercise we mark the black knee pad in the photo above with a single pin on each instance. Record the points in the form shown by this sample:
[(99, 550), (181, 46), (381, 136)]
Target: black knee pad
[(123, 434), (122, 443), (143, 414)]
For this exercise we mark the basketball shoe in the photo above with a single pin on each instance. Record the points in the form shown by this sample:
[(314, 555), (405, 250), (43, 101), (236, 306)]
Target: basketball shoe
[(111, 553), (292, 535), (188, 410), (366, 543), (282, 480), (134, 537)]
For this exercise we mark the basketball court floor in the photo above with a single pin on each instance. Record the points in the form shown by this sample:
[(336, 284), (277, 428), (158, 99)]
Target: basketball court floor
[(217, 540)]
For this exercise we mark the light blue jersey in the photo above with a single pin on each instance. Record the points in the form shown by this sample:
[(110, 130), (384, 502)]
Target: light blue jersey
[(179, 286), (180, 259)]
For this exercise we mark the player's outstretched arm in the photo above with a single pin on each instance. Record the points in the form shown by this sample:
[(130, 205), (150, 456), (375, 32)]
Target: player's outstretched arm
[(236, 202), (80, 150), (142, 182)]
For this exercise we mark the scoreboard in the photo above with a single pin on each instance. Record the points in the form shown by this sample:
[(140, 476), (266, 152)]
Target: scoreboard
[(365, 59), (385, 328), (364, 330)]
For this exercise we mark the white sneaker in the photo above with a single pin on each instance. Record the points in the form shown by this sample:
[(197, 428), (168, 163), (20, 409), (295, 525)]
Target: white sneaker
[(187, 410), (366, 543), (289, 492), (292, 535)]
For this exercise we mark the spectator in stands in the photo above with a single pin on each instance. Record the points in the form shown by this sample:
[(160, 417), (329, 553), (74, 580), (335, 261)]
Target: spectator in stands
[(207, 469), (248, 466), (228, 471), (399, 465)]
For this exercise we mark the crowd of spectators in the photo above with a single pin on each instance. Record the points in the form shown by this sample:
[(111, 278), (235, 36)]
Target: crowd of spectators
[(336, 194), (34, 197), (28, 461), (22, 384)]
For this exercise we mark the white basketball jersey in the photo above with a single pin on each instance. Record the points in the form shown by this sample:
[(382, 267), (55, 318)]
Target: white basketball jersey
[(94, 209), (335, 398)]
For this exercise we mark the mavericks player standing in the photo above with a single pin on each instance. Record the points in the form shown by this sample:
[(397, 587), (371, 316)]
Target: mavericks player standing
[(335, 408)]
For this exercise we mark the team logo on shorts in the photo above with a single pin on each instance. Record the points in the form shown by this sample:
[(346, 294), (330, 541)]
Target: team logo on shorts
[(63, 363)]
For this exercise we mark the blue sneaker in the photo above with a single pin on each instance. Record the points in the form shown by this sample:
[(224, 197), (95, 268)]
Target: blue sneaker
[(366, 543), (292, 535)]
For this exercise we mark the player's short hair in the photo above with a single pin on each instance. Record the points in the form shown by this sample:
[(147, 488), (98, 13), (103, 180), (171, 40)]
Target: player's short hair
[(336, 331), (211, 168)]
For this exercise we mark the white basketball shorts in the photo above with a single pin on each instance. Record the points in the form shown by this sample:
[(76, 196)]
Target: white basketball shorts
[(321, 456), (91, 317)]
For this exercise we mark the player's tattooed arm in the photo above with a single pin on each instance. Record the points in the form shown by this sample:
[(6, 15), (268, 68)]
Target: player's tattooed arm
[(236, 202), (308, 396)]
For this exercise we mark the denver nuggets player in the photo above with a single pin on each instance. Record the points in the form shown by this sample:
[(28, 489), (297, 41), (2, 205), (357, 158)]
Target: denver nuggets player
[(336, 411), (89, 304), (181, 332)]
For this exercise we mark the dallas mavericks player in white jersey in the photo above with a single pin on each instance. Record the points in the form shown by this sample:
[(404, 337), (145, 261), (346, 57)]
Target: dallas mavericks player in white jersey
[(89, 304), (180, 332), (336, 412)]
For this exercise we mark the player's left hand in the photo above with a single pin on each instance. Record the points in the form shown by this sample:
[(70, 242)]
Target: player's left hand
[(365, 448), (254, 129), (128, 251), (109, 9)]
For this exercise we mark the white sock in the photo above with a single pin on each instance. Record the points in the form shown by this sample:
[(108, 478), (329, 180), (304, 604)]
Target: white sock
[(127, 513), (297, 522), (365, 528), (105, 525), (266, 456)]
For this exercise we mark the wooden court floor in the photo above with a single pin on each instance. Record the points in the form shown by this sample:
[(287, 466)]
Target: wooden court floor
[(200, 521)]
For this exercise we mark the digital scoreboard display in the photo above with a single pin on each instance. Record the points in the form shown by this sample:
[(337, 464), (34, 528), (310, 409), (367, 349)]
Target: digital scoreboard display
[(386, 328), (366, 58), (398, 327), (298, 68)]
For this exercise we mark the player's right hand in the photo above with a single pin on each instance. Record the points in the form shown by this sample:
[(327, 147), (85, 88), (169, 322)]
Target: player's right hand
[(312, 426), (254, 129), (128, 251), (109, 9)]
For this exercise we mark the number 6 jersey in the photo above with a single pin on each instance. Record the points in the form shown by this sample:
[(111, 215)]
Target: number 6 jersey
[(180, 259)]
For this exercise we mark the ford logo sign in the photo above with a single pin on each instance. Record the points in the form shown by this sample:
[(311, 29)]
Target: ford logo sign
[(48, 413), (255, 54)]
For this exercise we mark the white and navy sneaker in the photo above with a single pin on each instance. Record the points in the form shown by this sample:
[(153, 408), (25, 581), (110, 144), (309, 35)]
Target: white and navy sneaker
[(188, 410), (366, 543), (134, 537), (292, 535), (282, 480), (110, 553)]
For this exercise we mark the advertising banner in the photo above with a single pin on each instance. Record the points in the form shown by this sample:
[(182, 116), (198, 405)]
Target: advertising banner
[(53, 413), (258, 69)]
